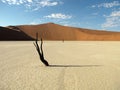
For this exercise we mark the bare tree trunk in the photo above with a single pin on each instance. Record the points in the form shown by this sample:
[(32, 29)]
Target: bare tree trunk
[(40, 50)]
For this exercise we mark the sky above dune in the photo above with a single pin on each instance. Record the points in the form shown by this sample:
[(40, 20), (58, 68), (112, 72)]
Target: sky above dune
[(92, 14)]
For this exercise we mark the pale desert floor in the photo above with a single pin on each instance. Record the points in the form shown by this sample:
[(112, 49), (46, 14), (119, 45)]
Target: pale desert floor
[(80, 65)]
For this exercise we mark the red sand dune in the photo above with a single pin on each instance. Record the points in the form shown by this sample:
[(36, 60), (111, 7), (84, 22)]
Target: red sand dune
[(12, 34), (51, 31)]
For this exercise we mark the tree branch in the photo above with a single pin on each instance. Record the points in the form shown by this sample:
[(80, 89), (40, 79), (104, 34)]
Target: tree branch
[(40, 50)]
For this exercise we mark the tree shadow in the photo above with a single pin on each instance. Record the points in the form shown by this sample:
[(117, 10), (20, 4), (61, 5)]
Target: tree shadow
[(75, 65)]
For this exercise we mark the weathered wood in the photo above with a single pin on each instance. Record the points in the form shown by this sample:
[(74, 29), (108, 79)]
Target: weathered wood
[(40, 50)]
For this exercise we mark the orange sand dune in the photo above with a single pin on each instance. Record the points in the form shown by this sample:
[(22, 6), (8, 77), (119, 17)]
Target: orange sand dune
[(51, 31), (11, 34)]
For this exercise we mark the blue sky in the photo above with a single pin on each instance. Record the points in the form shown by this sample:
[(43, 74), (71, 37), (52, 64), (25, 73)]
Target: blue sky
[(92, 14)]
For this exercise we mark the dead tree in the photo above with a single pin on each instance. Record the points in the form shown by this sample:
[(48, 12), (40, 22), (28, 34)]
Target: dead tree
[(40, 50)]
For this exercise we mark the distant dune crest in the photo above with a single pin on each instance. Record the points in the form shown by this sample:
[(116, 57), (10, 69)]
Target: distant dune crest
[(52, 31)]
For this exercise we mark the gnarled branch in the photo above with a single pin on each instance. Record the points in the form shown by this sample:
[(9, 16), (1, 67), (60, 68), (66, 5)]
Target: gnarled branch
[(40, 50)]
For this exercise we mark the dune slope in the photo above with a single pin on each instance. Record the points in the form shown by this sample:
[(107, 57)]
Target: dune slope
[(12, 34), (51, 31)]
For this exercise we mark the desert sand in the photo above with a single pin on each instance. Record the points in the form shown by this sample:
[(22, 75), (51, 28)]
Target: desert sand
[(76, 65), (52, 31)]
